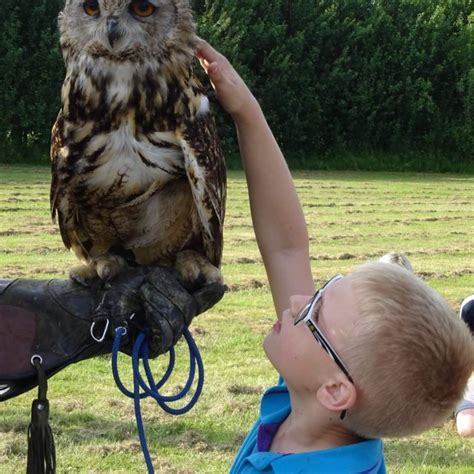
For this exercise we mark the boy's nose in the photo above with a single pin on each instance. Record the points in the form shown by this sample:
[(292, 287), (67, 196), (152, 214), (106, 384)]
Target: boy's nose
[(297, 303)]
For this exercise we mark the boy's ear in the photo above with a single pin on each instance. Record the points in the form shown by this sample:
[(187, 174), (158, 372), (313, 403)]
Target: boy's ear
[(337, 394)]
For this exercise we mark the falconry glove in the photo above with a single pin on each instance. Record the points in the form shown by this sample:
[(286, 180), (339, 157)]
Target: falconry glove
[(155, 301), (61, 322)]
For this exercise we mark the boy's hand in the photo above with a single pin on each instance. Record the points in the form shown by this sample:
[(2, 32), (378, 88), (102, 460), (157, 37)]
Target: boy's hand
[(231, 91)]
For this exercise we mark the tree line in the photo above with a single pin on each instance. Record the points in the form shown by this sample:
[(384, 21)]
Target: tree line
[(382, 75)]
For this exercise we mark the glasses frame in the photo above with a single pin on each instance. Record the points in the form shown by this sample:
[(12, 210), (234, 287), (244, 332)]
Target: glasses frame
[(306, 316)]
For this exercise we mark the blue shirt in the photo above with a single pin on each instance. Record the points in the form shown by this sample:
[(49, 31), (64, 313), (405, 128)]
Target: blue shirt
[(365, 457)]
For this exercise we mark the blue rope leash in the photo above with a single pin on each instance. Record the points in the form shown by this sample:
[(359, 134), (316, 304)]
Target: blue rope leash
[(150, 388)]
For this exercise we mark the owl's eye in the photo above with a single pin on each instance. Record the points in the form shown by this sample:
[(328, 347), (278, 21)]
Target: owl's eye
[(142, 8), (91, 7)]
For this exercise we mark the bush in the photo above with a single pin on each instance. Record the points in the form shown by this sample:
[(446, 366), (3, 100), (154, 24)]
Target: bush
[(351, 74), (385, 75), (32, 71)]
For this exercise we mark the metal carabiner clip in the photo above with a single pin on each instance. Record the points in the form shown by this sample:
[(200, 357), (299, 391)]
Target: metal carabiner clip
[(106, 328), (38, 358)]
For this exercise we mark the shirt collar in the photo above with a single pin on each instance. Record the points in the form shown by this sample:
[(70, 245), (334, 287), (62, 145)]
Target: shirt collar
[(364, 458)]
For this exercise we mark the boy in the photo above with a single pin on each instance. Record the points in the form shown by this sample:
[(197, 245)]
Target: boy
[(375, 353)]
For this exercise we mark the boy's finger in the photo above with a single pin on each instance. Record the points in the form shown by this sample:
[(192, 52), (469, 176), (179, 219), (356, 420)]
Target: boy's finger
[(206, 51), (214, 72), (204, 63)]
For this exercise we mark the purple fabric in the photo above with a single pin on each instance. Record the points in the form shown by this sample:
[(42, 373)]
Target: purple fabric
[(17, 332), (266, 432)]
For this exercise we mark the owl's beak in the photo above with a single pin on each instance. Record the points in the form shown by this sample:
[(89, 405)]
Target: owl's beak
[(113, 30)]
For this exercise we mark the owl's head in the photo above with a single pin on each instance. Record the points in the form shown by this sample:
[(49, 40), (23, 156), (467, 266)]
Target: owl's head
[(126, 29)]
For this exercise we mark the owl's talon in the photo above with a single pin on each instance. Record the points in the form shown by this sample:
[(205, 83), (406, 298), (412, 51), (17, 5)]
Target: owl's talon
[(84, 275), (79, 280), (196, 270), (109, 266)]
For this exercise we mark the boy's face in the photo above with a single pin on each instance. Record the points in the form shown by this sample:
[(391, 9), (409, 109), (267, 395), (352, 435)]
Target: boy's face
[(294, 351)]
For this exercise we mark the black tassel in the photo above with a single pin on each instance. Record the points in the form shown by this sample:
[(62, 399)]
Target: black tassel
[(41, 449)]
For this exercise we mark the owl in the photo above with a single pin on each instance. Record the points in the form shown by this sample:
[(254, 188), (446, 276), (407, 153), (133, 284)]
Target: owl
[(138, 175)]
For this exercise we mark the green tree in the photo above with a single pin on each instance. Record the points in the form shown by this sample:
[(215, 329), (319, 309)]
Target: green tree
[(31, 70), (385, 74), (330, 74)]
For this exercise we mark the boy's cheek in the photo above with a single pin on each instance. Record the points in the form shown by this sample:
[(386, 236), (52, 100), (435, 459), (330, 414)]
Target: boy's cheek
[(273, 348), (277, 349), (267, 342)]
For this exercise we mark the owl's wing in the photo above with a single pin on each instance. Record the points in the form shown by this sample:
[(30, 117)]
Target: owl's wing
[(57, 142), (205, 169), (59, 202)]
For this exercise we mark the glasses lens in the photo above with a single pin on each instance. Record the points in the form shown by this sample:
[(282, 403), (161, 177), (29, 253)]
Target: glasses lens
[(307, 309), (302, 314)]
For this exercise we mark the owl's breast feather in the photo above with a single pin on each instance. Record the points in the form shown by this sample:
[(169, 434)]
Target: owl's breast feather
[(117, 117), (118, 165)]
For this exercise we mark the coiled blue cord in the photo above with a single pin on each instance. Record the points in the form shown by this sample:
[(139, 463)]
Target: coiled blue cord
[(142, 389)]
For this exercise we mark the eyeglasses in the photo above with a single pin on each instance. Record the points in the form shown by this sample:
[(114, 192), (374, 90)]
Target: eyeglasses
[(306, 315)]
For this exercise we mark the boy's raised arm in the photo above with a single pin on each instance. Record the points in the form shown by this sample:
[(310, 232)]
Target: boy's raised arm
[(277, 216)]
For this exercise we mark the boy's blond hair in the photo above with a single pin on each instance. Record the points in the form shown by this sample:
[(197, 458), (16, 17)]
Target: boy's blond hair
[(409, 356)]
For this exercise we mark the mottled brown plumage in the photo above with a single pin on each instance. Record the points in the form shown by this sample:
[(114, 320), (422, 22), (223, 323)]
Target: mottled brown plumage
[(137, 170)]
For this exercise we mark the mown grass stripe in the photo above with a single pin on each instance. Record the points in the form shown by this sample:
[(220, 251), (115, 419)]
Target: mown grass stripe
[(352, 217)]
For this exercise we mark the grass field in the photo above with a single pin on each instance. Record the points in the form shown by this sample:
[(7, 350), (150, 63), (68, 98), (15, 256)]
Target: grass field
[(352, 217)]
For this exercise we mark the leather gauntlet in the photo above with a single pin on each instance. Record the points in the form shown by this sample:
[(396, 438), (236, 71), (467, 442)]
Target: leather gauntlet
[(63, 322)]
